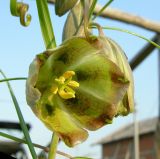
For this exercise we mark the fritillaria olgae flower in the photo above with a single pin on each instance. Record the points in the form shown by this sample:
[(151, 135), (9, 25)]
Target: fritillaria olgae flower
[(80, 85)]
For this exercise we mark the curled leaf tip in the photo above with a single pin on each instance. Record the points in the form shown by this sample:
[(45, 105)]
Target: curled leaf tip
[(65, 85), (19, 9)]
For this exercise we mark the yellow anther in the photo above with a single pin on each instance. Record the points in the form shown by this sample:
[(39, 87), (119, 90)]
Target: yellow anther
[(73, 84), (68, 74), (60, 80), (64, 83), (66, 95)]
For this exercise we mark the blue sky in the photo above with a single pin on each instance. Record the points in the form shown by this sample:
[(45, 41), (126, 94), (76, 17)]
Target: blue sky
[(19, 45)]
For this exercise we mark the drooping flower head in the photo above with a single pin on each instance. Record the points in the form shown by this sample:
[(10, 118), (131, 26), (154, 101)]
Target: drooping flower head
[(80, 85)]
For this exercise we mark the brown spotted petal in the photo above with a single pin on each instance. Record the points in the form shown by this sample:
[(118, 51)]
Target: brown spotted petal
[(102, 87)]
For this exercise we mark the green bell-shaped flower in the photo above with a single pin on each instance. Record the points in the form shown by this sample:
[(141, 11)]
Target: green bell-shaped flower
[(80, 85)]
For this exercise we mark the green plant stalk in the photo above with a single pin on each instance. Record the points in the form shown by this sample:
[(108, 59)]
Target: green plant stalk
[(21, 119), (103, 8), (46, 24), (129, 32), (13, 79), (49, 40), (46, 149), (53, 147), (85, 5)]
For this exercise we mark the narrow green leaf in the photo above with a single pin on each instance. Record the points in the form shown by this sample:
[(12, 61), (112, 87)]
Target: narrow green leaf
[(12, 137), (46, 149), (45, 23), (13, 79), (21, 119), (132, 33), (91, 10), (103, 8), (62, 6)]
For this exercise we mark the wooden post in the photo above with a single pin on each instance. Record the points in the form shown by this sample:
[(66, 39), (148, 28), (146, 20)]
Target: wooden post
[(158, 122), (136, 136), (159, 78)]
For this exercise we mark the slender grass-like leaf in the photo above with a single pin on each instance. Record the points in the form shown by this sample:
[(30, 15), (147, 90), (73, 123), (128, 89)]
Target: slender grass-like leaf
[(21, 119), (130, 32), (91, 10), (13, 79), (103, 8), (46, 149)]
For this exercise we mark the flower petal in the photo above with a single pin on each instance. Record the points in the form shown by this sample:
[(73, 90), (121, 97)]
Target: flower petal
[(128, 101), (32, 93), (56, 119)]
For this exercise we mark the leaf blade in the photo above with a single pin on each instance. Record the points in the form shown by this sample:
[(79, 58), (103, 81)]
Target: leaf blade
[(21, 119)]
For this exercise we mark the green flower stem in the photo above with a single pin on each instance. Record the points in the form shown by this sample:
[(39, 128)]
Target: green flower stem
[(49, 40), (46, 149), (129, 32), (21, 119), (85, 5), (45, 23), (103, 8), (13, 79), (53, 147)]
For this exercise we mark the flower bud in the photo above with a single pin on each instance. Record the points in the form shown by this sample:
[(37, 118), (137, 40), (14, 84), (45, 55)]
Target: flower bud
[(62, 6)]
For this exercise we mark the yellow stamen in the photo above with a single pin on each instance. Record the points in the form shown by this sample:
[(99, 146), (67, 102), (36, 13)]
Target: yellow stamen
[(66, 95), (64, 83), (68, 74), (54, 89), (60, 80), (73, 84)]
